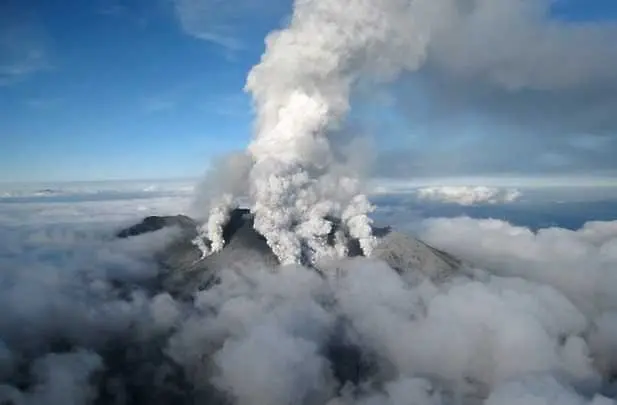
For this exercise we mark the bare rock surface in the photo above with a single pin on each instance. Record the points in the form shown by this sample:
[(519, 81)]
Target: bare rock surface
[(187, 271)]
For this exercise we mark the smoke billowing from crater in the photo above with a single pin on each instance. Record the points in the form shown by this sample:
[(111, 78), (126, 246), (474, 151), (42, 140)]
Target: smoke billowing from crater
[(301, 91), (95, 320), (303, 84)]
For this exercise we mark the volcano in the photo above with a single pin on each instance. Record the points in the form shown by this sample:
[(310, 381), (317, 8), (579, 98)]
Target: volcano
[(162, 357), (186, 271)]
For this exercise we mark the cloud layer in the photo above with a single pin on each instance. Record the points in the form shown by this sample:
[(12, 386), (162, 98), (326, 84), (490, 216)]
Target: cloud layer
[(468, 195), (533, 319), (60, 272)]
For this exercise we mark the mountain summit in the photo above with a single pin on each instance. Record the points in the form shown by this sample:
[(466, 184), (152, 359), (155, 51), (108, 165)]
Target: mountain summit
[(187, 271)]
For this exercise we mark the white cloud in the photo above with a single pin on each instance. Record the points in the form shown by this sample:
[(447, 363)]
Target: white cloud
[(455, 192), (468, 195), (59, 264), (104, 190), (579, 263), (211, 20), (534, 320)]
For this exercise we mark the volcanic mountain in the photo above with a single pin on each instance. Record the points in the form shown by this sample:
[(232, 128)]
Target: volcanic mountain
[(186, 271), (161, 358)]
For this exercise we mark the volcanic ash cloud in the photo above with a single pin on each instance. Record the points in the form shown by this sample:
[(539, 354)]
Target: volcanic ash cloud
[(301, 92)]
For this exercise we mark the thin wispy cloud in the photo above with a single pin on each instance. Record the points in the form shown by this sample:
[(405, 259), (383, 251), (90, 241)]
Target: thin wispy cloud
[(212, 20), (113, 10), (229, 24), (23, 46), (158, 104), (21, 64), (228, 106), (138, 13), (44, 103)]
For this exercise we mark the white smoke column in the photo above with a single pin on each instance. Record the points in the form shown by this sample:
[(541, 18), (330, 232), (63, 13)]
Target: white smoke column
[(225, 182), (301, 91), (217, 220), (213, 228), (354, 217)]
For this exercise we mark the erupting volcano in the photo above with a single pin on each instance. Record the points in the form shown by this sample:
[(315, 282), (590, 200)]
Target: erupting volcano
[(279, 288)]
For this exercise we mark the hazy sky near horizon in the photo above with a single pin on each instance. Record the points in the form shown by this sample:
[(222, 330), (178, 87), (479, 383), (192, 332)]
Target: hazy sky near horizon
[(112, 89)]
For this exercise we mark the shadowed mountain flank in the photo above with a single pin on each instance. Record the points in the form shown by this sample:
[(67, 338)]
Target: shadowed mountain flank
[(170, 351), (187, 271)]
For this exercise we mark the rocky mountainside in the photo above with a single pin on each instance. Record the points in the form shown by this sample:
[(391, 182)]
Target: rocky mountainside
[(187, 272)]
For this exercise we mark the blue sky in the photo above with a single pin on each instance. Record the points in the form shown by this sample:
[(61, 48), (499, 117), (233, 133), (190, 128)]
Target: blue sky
[(105, 89), (121, 91)]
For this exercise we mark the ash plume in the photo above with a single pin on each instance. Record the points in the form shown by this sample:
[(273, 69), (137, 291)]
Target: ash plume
[(467, 50), (515, 317), (301, 91)]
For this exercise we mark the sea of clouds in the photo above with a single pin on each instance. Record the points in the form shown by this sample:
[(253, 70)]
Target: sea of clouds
[(532, 320)]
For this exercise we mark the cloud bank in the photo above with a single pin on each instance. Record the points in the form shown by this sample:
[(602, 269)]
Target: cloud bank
[(68, 290), (468, 195), (580, 263), (532, 319)]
